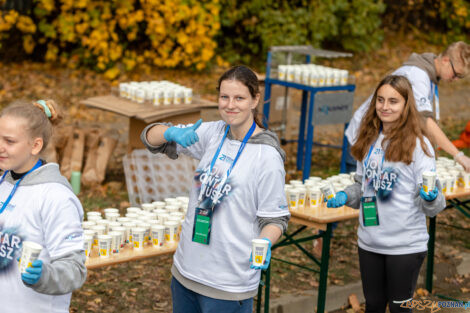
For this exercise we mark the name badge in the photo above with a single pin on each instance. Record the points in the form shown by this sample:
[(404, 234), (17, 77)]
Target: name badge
[(370, 215), (202, 226)]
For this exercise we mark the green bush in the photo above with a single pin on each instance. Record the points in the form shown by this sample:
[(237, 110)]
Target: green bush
[(250, 27)]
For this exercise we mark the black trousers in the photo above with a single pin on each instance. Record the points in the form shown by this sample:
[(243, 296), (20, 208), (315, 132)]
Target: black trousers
[(388, 279)]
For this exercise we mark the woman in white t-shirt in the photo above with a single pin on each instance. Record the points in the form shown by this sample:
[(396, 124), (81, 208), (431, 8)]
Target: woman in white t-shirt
[(237, 196), (36, 204), (392, 233)]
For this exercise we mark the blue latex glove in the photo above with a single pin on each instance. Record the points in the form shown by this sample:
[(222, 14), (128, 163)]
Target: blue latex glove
[(338, 201), (33, 273), (266, 262), (183, 136), (429, 196)]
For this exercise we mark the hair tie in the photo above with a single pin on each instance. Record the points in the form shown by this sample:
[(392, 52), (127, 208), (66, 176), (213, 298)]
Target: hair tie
[(46, 108)]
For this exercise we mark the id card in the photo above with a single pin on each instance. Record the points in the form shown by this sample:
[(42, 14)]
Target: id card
[(370, 215), (202, 226)]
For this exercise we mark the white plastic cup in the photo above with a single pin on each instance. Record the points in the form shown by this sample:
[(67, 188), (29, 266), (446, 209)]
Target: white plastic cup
[(294, 195), (99, 230), (295, 182), (87, 244), (148, 207), (172, 208), (29, 254), (140, 95), (290, 73), (168, 96), (111, 216), (123, 220), (302, 196), (429, 181), (158, 235), (123, 90), (116, 239), (88, 224), (133, 209), (157, 97), (327, 190), (315, 197), (138, 237), (260, 249), (188, 96), (113, 210), (281, 72), (171, 231), (104, 223), (104, 244), (129, 226), (179, 96), (93, 213), (123, 231), (465, 180), (159, 205)]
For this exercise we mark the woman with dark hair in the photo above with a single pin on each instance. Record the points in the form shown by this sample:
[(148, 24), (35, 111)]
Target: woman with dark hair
[(238, 195), (392, 234)]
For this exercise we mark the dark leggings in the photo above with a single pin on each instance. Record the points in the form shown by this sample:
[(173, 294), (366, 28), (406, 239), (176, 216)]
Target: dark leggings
[(388, 279)]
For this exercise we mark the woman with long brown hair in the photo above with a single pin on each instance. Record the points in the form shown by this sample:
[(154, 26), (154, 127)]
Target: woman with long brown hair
[(392, 235)]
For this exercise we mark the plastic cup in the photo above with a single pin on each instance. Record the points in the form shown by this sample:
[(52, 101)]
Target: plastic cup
[(129, 226), (104, 223), (138, 237), (75, 181), (171, 231), (147, 207), (99, 230), (295, 182), (87, 244), (188, 96), (429, 181), (133, 209), (93, 213), (123, 219), (122, 230), (294, 195), (302, 196), (30, 253), (260, 248), (104, 244), (111, 216), (159, 205), (116, 239), (327, 190), (315, 197), (172, 208), (158, 235), (88, 224), (107, 210), (465, 180)]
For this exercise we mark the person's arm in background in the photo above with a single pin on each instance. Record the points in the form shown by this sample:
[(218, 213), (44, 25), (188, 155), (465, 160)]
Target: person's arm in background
[(439, 138)]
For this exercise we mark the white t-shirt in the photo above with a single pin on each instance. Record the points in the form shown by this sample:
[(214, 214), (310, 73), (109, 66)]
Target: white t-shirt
[(423, 91), (254, 188), (50, 215), (402, 225)]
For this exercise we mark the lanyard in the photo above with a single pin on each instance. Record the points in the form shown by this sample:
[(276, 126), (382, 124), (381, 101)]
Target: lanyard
[(38, 164), (436, 101), (214, 159)]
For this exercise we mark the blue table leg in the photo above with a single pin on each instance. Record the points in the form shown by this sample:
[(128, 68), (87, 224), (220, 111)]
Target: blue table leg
[(309, 145), (301, 141), (344, 149)]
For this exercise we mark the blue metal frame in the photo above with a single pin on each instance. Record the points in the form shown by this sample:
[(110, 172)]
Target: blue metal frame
[(304, 146)]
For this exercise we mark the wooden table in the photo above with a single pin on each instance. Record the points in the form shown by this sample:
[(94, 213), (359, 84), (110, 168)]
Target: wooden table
[(140, 115), (321, 218), (459, 200), (128, 254)]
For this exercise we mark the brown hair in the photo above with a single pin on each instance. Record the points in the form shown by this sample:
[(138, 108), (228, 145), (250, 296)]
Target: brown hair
[(459, 52), (402, 136), (39, 125), (248, 78)]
